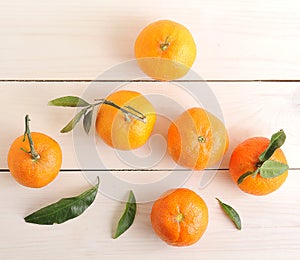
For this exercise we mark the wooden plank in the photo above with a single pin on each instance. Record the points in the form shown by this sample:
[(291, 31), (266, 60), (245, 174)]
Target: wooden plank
[(75, 40), (250, 109), (270, 224)]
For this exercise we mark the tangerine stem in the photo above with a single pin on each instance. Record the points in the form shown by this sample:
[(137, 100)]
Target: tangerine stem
[(126, 110), (165, 45), (34, 155)]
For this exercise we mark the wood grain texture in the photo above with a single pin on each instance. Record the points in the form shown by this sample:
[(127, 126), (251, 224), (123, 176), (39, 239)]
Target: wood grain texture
[(270, 224), (239, 43), (249, 109), (78, 39)]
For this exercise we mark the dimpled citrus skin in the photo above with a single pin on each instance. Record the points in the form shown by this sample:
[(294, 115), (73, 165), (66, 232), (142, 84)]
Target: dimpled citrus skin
[(171, 63), (118, 133), (179, 217), (245, 157), (39, 173), (183, 142)]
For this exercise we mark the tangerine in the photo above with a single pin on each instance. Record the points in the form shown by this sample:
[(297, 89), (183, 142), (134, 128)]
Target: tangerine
[(197, 139), (35, 161), (119, 131), (179, 217), (165, 50), (244, 159)]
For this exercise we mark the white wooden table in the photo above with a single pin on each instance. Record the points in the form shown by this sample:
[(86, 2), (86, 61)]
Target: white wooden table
[(249, 53)]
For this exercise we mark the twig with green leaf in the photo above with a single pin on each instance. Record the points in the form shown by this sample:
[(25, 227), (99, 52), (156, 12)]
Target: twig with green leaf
[(267, 168), (87, 111)]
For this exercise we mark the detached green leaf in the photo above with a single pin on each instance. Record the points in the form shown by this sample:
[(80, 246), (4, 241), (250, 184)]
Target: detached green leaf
[(272, 169), (87, 121), (277, 140), (243, 176), (70, 126), (128, 216), (231, 213), (68, 101), (65, 209)]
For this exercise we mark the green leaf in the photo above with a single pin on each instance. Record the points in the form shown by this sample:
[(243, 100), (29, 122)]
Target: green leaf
[(231, 213), (243, 176), (65, 209), (68, 101), (272, 169), (277, 140), (87, 121), (69, 127), (128, 216)]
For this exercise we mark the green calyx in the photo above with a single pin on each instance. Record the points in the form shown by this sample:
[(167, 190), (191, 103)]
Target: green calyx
[(201, 139), (179, 217)]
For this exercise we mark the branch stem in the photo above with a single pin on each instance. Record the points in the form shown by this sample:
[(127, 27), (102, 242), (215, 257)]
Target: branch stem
[(34, 155), (127, 110)]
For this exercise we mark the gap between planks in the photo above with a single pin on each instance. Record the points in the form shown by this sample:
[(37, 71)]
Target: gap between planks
[(146, 80), (130, 170), (139, 170)]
